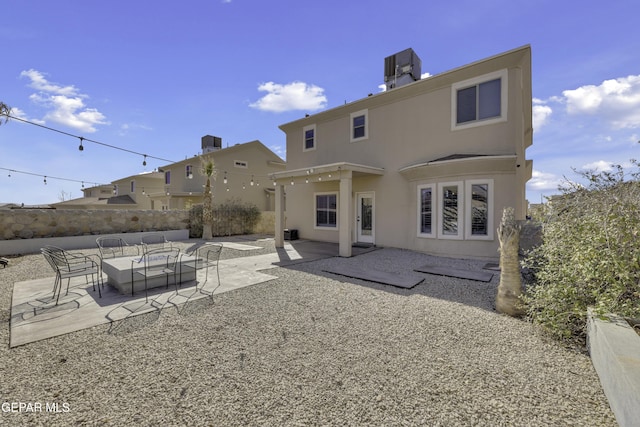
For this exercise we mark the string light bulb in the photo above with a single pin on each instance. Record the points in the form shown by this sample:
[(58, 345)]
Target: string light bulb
[(81, 148), (45, 180), (144, 161), (225, 177), (252, 180)]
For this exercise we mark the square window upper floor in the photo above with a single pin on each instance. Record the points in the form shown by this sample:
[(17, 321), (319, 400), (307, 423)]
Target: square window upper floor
[(309, 138), (479, 101), (359, 125)]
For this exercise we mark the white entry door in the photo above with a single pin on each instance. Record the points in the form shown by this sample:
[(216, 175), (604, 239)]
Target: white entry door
[(365, 217)]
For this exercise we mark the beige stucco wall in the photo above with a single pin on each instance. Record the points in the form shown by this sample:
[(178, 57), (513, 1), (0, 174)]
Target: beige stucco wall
[(408, 126), (260, 161), (37, 223)]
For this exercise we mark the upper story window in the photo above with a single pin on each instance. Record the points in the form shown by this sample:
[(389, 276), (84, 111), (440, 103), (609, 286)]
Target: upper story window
[(188, 170), (133, 187), (359, 125), (240, 164), (480, 100), (167, 177), (309, 136)]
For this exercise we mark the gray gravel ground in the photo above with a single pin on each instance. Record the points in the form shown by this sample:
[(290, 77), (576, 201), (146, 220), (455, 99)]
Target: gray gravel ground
[(309, 348)]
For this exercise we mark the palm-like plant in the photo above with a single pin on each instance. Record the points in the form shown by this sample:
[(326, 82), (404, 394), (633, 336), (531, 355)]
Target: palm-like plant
[(209, 170), (510, 287)]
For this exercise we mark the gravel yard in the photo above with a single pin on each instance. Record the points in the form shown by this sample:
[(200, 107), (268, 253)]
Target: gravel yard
[(309, 348)]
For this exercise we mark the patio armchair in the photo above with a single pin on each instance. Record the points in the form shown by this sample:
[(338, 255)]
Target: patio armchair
[(157, 263), (155, 240), (67, 265), (205, 257), (112, 247)]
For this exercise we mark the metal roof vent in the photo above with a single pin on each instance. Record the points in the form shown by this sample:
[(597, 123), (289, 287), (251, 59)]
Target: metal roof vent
[(402, 68)]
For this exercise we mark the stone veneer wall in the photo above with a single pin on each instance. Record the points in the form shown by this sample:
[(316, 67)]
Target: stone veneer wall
[(39, 223)]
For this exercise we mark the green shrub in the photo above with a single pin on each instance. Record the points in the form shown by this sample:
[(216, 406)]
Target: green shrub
[(230, 218), (589, 256)]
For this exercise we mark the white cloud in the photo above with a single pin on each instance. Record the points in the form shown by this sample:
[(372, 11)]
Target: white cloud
[(616, 100), (598, 166), (541, 114), (39, 82), (65, 104), (541, 181), (290, 96)]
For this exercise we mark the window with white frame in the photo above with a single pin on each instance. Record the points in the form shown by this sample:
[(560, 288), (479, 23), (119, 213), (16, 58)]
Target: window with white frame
[(450, 210), (478, 101), (359, 125), (479, 212), (326, 210), (309, 137), (426, 204)]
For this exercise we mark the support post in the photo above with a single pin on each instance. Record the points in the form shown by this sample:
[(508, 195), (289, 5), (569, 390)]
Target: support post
[(345, 214), (279, 237)]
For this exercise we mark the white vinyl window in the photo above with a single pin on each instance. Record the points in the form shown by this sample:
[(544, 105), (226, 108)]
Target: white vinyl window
[(359, 125), (426, 210), (450, 210), (326, 209), (478, 101), (479, 209), (309, 138)]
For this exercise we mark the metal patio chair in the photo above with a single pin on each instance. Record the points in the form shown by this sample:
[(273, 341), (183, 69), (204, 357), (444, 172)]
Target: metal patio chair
[(113, 247), (67, 265), (156, 263), (155, 240), (206, 257)]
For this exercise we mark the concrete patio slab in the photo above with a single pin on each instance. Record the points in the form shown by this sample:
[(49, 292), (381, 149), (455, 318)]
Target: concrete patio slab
[(481, 276), (34, 316), (376, 276)]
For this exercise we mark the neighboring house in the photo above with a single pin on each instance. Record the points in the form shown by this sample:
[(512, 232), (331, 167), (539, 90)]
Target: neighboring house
[(126, 193), (242, 174), (427, 165)]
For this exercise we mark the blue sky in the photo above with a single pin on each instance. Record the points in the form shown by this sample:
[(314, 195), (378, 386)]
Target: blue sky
[(154, 77)]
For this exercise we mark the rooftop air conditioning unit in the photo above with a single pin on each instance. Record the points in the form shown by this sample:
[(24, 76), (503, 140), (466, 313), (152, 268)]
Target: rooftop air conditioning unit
[(402, 68), (211, 143)]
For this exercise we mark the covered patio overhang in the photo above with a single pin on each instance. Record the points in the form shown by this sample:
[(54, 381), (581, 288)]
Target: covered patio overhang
[(460, 164), (344, 172)]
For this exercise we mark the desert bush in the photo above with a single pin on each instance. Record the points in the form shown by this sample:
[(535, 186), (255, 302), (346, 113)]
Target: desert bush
[(230, 218), (589, 256)]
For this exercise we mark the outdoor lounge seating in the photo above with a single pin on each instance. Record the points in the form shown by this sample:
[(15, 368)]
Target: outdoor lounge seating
[(157, 263), (67, 265)]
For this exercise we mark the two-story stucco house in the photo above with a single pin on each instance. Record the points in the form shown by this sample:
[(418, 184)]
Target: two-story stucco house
[(242, 173), (427, 165)]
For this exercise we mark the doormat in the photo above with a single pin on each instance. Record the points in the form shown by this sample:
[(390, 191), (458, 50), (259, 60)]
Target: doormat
[(377, 276), (481, 276)]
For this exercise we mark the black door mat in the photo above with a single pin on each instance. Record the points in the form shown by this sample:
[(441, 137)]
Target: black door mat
[(377, 276), (481, 276)]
